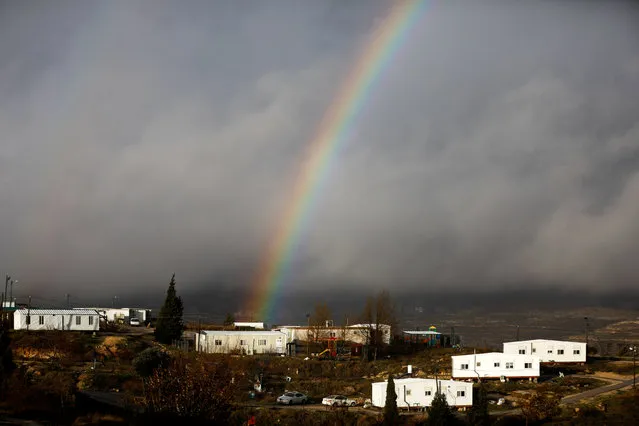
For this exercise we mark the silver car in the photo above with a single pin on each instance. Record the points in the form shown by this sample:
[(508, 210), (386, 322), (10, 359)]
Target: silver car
[(290, 398)]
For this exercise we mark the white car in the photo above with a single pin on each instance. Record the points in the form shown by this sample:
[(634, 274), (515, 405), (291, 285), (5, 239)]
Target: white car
[(134, 322), (339, 401), (290, 398)]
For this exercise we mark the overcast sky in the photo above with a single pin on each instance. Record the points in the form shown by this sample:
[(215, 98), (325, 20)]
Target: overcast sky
[(141, 138)]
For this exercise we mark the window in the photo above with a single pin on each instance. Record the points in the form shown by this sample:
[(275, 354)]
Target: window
[(549, 351), (575, 352), (90, 320), (218, 343), (261, 342), (528, 365), (478, 364), (28, 319), (78, 320), (41, 319), (461, 393), (496, 365), (464, 367), (408, 392), (560, 351), (509, 365), (522, 351), (534, 350), (242, 342), (428, 392)]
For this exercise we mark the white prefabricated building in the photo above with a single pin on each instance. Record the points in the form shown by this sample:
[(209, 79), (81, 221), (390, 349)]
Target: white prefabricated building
[(419, 393), (56, 319), (549, 350), (495, 365), (241, 342), (255, 325)]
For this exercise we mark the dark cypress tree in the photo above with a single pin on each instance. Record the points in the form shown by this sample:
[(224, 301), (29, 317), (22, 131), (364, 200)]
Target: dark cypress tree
[(169, 326), (391, 414), (478, 414), (439, 413)]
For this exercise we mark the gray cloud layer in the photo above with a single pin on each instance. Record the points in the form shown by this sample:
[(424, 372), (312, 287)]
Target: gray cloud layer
[(501, 147)]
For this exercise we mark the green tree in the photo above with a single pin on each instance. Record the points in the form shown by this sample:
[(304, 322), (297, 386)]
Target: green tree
[(229, 320), (170, 325), (391, 414), (478, 414), (439, 413)]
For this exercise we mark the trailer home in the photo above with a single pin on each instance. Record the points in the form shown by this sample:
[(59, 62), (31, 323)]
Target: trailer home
[(419, 393), (549, 351), (241, 342), (495, 365), (56, 319)]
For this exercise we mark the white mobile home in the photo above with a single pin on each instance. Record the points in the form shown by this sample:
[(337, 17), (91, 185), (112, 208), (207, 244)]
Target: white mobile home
[(494, 365), (56, 319), (255, 325), (358, 333), (415, 392), (549, 350), (241, 342)]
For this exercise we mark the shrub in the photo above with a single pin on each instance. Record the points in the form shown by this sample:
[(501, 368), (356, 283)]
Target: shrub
[(149, 360)]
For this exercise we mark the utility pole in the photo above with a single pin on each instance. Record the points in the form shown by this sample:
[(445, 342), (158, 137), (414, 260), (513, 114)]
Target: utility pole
[(308, 330), (29, 314), (586, 320), (517, 339), (6, 284), (68, 304), (11, 292), (634, 366)]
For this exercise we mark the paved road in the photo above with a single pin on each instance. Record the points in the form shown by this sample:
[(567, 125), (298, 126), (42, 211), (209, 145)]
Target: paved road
[(572, 399), (12, 421)]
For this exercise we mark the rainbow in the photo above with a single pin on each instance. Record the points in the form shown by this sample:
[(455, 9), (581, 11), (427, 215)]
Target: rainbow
[(332, 133)]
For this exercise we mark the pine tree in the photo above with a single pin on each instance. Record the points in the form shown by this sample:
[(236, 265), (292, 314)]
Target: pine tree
[(169, 326), (478, 414), (439, 413), (391, 414)]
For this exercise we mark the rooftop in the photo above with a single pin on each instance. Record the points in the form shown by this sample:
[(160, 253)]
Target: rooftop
[(39, 311), (543, 340), (242, 333)]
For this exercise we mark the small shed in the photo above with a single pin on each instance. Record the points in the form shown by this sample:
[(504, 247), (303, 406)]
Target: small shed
[(419, 393), (56, 319)]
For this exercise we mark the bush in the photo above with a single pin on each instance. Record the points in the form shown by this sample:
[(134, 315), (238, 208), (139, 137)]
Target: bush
[(192, 389), (149, 360)]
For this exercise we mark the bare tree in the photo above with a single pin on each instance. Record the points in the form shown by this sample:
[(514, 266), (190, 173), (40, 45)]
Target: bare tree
[(378, 322), (318, 322)]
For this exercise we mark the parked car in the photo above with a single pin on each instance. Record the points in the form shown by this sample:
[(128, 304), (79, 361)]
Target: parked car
[(290, 398), (339, 401), (134, 322)]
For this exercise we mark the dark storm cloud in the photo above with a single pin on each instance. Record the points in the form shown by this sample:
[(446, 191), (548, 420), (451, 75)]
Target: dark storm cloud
[(141, 138)]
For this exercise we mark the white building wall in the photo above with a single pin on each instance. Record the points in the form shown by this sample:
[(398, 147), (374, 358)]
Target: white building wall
[(255, 325), (414, 392), (549, 350), (50, 319), (246, 342), (494, 365), (355, 333), (115, 314)]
